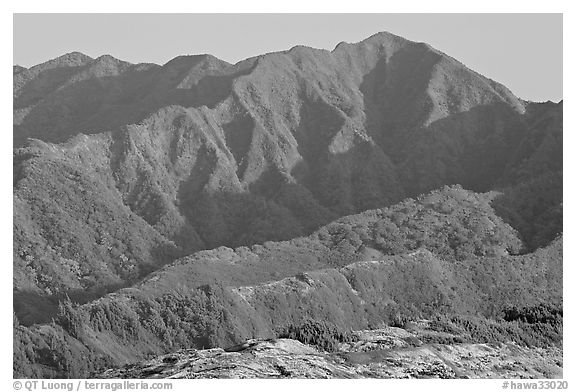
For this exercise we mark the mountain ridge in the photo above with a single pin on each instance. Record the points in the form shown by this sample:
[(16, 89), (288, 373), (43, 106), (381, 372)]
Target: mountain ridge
[(197, 176), (295, 134)]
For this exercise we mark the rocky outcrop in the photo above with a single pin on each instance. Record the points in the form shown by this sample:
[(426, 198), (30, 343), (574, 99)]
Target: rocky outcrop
[(174, 309), (383, 353)]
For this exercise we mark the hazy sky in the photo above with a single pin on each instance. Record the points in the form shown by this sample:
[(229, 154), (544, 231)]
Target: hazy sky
[(522, 51)]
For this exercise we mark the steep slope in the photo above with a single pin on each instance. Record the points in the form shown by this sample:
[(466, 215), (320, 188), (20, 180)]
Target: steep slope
[(302, 108), (532, 184), (72, 234), (33, 84), (57, 99), (120, 169), (202, 153)]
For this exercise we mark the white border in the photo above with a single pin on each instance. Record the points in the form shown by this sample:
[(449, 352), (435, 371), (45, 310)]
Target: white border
[(260, 6)]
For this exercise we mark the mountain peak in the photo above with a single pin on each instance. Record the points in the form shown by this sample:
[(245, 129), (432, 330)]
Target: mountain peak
[(192, 60), (383, 36), (73, 59), (17, 69), (108, 58)]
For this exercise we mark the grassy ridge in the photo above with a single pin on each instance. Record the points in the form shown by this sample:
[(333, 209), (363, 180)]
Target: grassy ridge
[(222, 297)]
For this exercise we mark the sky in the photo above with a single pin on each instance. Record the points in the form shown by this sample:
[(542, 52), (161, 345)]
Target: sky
[(521, 51)]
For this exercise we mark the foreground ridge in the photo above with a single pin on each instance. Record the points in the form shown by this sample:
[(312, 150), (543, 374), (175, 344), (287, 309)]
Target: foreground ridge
[(382, 353)]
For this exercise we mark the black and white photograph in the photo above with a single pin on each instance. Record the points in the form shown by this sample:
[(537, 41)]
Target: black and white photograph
[(286, 196)]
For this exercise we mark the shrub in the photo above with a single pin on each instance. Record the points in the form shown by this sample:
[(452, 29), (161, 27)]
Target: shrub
[(542, 313), (322, 334)]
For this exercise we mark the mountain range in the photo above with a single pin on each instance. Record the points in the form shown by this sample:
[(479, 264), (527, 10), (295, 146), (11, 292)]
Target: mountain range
[(174, 206)]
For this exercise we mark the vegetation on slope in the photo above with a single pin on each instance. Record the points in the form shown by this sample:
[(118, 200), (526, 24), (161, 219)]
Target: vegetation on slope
[(322, 334), (204, 301), (199, 153)]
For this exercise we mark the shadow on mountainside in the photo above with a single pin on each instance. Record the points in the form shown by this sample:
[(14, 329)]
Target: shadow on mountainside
[(471, 148), (107, 103), (36, 307), (244, 219), (404, 77), (90, 106), (46, 81)]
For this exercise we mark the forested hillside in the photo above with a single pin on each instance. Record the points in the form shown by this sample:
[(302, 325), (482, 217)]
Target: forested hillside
[(158, 207), (453, 259)]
